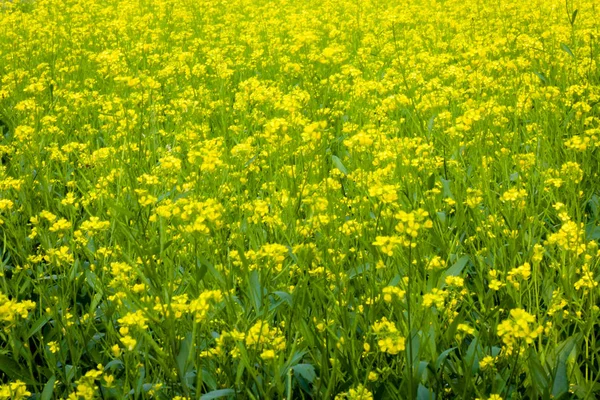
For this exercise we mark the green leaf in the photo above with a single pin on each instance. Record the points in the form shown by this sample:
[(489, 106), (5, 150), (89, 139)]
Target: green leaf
[(48, 389), (537, 373), (140, 382), (297, 356), (563, 350), (441, 216), (422, 370), (14, 371), (306, 371), (446, 191), (114, 364), (184, 352), (431, 181), (415, 347), (566, 347), (424, 393), (255, 290), (541, 76), (305, 375), (430, 123), (574, 16), (561, 382), (217, 394), (442, 357), (567, 50), (339, 165), (592, 232), (37, 325), (358, 270), (92, 280), (455, 269), (471, 358), (285, 297), (70, 372), (208, 379)]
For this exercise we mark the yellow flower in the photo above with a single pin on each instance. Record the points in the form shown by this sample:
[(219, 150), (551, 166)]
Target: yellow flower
[(570, 237), (522, 272), (60, 225), (136, 319), (94, 225), (268, 355), (516, 196), (53, 347), (388, 244), (465, 328), (128, 342), (487, 362), (437, 297), (14, 391), (385, 193), (392, 292), (518, 329), (358, 393), (435, 263), (389, 338), (11, 310), (587, 280)]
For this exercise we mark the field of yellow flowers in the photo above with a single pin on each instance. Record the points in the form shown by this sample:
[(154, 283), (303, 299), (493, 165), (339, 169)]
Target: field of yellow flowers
[(284, 199)]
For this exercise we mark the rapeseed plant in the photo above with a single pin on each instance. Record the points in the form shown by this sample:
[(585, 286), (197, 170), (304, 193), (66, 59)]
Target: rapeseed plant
[(282, 199)]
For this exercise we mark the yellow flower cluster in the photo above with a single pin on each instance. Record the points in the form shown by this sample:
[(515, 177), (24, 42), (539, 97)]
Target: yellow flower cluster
[(270, 341), (86, 386), (201, 306), (436, 297), (389, 338), (409, 225), (412, 223), (270, 255), (516, 196), (587, 280), (519, 330), (14, 391), (570, 237), (12, 310), (357, 393), (391, 293), (522, 272)]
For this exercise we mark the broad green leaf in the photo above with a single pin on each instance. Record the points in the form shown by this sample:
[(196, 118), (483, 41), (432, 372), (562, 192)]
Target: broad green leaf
[(37, 325), (306, 371), (424, 393), (430, 123), (339, 165), (538, 375), (442, 357), (455, 269), (561, 381), (184, 352), (14, 370), (48, 389), (255, 290), (284, 296), (217, 394)]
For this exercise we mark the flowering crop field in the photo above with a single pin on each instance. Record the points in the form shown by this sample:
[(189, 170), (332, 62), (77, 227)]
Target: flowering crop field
[(299, 199)]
